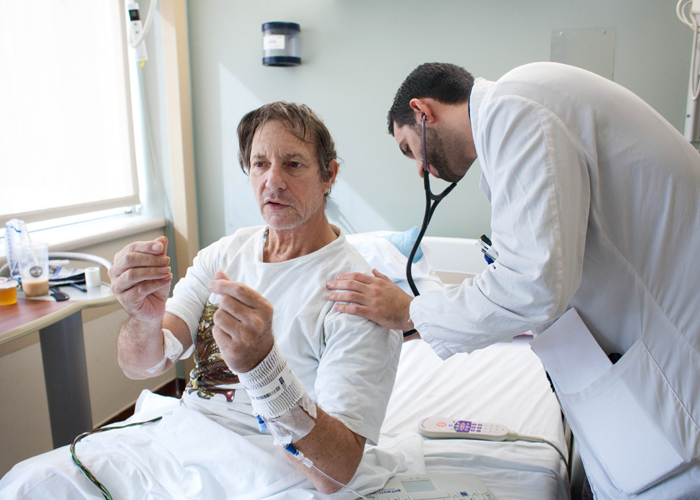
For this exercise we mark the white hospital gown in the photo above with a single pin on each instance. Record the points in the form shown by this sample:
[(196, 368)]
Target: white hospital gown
[(346, 363)]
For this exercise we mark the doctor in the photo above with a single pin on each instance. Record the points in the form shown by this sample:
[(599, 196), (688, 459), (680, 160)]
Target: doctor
[(595, 211)]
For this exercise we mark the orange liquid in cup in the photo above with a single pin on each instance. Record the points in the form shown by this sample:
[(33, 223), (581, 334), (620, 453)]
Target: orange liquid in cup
[(35, 288), (8, 295)]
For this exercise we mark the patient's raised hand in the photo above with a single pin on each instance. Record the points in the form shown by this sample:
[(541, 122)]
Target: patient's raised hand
[(141, 279), (242, 324)]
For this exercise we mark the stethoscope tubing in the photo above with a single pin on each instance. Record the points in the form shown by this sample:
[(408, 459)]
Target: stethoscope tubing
[(431, 202)]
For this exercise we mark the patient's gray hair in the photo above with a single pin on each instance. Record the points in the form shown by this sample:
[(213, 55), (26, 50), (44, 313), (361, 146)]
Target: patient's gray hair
[(299, 120)]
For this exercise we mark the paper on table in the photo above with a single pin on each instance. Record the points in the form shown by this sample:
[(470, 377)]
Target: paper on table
[(570, 354)]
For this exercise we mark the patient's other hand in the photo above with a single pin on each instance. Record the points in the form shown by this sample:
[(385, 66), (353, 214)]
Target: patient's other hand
[(376, 298), (141, 279), (242, 324)]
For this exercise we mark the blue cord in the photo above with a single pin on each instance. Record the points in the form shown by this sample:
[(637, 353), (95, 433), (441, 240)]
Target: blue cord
[(262, 425)]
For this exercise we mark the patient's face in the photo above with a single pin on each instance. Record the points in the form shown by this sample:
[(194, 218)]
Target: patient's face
[(286, 178)]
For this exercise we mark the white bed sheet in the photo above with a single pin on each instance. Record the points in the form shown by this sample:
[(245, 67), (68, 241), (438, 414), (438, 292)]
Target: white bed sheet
[(504, 383)]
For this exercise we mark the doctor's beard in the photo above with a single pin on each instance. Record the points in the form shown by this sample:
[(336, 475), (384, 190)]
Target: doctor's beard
[(437, 157)]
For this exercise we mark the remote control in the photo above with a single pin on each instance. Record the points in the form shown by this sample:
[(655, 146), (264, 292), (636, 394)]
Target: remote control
[(446, 428)]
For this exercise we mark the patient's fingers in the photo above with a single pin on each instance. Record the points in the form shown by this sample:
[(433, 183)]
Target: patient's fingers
[(145, 301), (141, 278), (132, 260), (136, 294), (242, 320), (155, 247), (140, 254), (243, 334), (244, 294), (242, 323), (136, 276)]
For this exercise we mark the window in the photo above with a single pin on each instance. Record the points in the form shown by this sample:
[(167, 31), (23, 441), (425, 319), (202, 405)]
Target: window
[(66, 139)]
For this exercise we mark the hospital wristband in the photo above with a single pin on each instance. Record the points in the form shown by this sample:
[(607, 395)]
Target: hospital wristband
[(273, 387), (172, 348)]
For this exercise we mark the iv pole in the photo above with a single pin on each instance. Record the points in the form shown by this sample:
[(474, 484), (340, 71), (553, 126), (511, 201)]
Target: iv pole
[(692, 113)]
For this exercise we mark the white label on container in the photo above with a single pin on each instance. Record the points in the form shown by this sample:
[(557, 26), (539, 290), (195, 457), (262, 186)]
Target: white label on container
[(273, 42)]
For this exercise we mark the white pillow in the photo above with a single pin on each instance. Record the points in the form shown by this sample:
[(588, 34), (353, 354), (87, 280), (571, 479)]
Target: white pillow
[(383, 256)]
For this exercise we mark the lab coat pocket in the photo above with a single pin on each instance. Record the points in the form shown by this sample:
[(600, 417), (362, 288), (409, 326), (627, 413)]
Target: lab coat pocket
[(618, 428), (627, 420)]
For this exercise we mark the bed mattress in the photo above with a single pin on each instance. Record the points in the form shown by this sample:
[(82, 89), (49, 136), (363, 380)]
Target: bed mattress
[(504, 383)]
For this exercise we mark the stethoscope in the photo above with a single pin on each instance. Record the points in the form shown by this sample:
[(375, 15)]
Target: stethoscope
[(431, 202)]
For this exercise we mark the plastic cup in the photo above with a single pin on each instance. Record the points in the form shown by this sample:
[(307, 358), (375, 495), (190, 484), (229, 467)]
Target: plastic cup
[(8, 292), (34, 268), (92, 277)]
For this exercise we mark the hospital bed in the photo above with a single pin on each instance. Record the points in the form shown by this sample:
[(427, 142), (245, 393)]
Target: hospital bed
[(504, 383)]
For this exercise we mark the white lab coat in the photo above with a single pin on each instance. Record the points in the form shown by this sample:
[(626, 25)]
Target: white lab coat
[(596, 206)]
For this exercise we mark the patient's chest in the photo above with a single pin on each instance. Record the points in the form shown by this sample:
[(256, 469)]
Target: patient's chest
[(298, 326)]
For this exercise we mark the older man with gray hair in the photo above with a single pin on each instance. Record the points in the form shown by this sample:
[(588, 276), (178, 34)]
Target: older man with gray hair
[(270, 350)]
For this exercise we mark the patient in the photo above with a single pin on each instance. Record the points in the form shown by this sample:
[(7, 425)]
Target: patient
[(266, 342)]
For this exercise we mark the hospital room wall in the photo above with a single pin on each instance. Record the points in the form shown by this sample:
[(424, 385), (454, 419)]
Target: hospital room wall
[(355, 55)]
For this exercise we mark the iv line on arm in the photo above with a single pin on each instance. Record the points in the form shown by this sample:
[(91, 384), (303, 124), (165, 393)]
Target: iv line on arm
[(282, 405), (308, 463)]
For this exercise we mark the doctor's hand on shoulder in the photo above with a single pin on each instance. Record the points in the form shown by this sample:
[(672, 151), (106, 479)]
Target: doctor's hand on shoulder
[(376, 298), (141, 279), (242, 324)]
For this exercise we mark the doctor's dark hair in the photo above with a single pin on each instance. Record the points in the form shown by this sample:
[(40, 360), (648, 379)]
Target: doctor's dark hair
[(446, 83), (299, 120)]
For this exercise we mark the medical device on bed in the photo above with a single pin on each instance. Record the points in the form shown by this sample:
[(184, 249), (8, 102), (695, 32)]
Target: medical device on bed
[(440, 428), (462, 486), (431, 203), (447, 428)]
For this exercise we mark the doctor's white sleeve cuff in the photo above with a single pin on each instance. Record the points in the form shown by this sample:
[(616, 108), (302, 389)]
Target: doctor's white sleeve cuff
[(426, 332)]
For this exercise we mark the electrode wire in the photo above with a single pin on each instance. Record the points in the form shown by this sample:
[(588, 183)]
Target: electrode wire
[(103, 489)]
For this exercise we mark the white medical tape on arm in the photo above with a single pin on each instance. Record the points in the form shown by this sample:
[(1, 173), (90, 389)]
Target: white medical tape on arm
[(279, 397), (268, 393), (173, 350)]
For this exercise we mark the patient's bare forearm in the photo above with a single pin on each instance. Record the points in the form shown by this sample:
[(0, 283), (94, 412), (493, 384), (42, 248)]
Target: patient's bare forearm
[(139, 347), (333, 448)]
